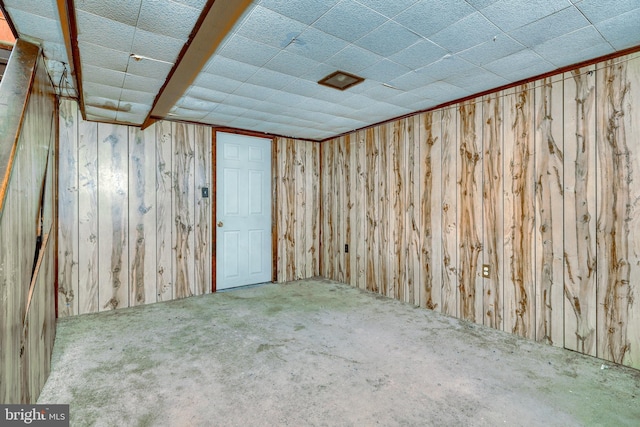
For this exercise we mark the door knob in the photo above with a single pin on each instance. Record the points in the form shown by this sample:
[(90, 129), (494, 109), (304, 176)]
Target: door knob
[(220, 224)]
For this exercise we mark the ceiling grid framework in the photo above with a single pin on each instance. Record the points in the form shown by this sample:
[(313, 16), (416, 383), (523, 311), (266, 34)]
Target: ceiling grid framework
[(413, 54)]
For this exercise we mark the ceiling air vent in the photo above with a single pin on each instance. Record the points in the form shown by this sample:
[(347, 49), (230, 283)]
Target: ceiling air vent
[(341, 80)]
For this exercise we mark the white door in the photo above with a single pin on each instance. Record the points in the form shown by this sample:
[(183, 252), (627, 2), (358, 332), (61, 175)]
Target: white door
[(243, 210)]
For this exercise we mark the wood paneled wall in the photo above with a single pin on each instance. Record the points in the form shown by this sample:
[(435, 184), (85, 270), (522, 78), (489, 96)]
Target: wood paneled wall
[(296, 193), (541, 183), (27, 310), (133, 226)]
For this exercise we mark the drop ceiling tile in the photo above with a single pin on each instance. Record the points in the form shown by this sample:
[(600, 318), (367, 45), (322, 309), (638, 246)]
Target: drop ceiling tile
[(384, 71), (99, 114), (126, 11), (291, 64), (403, 99), (424, 104), (35, 26), (446, 67), (489, 51), (156, 46), (195, 104), (241, 101), (319, 72), (477, 80), (441, 92), (246, 50), (511, 14), (305, 87), (230, 110), (381, 93), (271, 79), (411, 80), (144, 84), (386, 7), (597, 11), (470, 31), (271, 28), (349, 20), (198, 4), (353, 59), (574, 47), (131, 118), (133, 107), (130, 95), (256, 92), (104, 32), (301, 10), (207, 94), (427, 17), (621, 31), (315, 44), (55, 51), (102, 75), (219, 65), (101, 90), (388, 39), (149, 68), (103, 57), (549, 27), (419, 54), (288, 99), (481, 4), (167, 18), (514, 62), (216, 83), (246, 123), (47, 9), (356, 102)]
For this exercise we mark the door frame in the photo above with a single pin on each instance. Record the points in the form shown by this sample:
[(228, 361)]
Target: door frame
[(214, 198)]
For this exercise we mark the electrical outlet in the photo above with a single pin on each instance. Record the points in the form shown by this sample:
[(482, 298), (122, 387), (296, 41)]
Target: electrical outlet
[(205, 192), (486, 270), (346, 249)]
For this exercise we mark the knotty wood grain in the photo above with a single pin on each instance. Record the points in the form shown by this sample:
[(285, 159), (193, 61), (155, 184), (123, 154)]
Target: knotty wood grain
[(618, 192), (493, 211), (142, 216), (372, 211), (549, 210), (68, 250), (448, 175), (430, 210), (182, 210), (413, 199), (469, 210), (164, 222), (519, 226), (202, 213), (113, 176), (580, 211)]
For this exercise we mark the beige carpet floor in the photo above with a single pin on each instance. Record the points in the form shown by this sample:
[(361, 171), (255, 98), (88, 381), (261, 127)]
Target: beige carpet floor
[(320, 353)]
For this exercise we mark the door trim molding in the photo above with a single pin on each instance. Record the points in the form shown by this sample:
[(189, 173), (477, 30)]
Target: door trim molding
[(214, 197)]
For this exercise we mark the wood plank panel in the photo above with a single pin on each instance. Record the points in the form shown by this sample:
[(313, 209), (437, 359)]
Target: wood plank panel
[(384, 241), (289, 209), (315, 213), (202, 212), (396, 250), (430, 210), (519, 225), (549, 147), (68, 251), (113, 271), (299, 188), (182, 205), (580, 305), (326, 267), (310, 195), (449, 213), (413, 198), (339, 210), (618, 226), (373, 277), (348, 207), (164, 220), (88, 260), (360, 209), (142, 216), (493, 174), (469, 210)]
